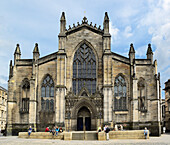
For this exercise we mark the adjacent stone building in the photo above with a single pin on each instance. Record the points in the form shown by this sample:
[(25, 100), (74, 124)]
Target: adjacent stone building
[(3, 107), (84, 84), (167, 105)]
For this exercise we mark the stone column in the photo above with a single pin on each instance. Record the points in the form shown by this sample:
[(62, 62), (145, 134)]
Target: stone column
[(134, 104), (61, 88), (107, 87), (32, 104)]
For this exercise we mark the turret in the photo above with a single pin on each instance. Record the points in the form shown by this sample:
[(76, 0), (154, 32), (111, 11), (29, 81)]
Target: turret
[(131, 54), (36, 53), (62, 23), (62, 35), (106, 35), (106, 23), (17, 54), (149, 53)]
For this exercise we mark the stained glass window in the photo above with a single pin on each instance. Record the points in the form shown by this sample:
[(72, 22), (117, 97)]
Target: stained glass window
[(120, 93), (47, 94), (84, 70)]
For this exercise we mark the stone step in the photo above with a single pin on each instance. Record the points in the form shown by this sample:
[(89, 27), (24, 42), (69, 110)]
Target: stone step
[(88, 135)]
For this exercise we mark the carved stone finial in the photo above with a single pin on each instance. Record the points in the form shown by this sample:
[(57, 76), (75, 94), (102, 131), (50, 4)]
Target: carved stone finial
[(95, 26), (78, 24), (131, 48), (62, 17), (74, 25), (99, 27), (90, 23), (36, 50), (69, 27), (84, 21), (149, 51), (17, 50)]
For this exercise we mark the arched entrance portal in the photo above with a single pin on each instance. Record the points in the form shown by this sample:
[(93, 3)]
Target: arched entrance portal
[(83, 119)]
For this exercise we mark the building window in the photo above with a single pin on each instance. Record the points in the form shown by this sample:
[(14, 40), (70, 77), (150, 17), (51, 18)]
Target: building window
[(25, 96), (120, 98), (84, 70), (47, 94), (25, 104), (142, 95)]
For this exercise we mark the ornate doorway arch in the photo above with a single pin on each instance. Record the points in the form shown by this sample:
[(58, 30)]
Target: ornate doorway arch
[(84, 114), (83, 119)]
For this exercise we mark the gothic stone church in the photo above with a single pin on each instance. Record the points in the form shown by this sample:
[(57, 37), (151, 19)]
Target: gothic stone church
[(83, 84)]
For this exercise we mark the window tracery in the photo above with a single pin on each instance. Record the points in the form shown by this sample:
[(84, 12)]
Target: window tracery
[(47, 94), (84, 70), (120, 93)]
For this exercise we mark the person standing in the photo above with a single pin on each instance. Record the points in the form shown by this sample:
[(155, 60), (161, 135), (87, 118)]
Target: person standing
[(145, 133), (107, 133)]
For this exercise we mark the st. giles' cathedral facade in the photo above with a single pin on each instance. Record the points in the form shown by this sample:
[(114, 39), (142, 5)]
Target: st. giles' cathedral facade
[(84, 84)]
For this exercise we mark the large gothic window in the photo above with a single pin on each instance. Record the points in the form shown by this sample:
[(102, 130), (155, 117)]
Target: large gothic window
[(47, 94), (84, 70), (120, 94)]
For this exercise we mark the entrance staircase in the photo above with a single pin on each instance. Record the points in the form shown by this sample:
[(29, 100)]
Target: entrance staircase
[(81, 135)]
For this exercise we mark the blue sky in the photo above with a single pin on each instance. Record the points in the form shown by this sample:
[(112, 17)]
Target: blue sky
[(134, 21)]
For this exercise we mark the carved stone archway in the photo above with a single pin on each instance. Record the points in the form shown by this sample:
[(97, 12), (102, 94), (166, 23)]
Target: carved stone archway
[(84, 102)]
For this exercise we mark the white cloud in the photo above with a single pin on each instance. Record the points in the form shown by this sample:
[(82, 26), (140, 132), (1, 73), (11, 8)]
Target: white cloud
[(141, 51), (158, 22), (127, 32), (113, 31), (3, 81)]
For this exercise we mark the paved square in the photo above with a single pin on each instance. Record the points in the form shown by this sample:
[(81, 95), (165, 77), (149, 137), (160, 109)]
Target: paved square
[(13, 140)]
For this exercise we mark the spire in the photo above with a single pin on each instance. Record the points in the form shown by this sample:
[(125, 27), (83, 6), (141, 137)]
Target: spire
[(106, 23), (17, 54), (17, 50), (149, 51), (62, 23), (106, 17), (131, 54), (36, 50), (62, 17), (36, 53), (132, 50)]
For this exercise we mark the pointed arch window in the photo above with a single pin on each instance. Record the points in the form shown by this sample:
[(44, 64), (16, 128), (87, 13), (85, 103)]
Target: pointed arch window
[(25, 96), (47, 94), (84, 70), (120, 94)]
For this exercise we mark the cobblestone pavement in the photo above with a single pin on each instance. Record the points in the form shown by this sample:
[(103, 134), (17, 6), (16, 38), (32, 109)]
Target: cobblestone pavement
[(13, 140)]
